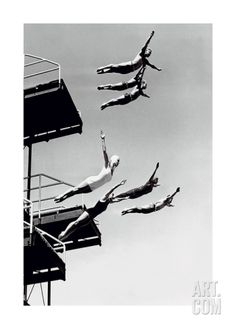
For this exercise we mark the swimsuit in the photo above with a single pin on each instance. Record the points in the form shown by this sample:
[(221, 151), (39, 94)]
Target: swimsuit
[(148, 210), (136, 192), (103, 177), (136, 65), (125, 85), (98, 208), (129, 96)]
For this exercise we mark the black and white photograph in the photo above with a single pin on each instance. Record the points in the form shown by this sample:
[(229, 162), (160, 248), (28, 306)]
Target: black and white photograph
[(117, 139), (117, 159)]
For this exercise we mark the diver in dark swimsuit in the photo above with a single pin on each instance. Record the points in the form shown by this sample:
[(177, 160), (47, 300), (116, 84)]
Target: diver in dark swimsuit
[(139, 191), (153, 206), (89, 214)]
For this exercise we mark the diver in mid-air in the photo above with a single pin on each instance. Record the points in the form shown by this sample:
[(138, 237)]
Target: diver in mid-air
[(89, 214), (153, 206), (124, 85), (130, 66), (128, 97), (139, 191), (93, 182)]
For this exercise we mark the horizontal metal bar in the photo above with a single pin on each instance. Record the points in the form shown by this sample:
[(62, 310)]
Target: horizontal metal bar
[(42, 186), (51, 62), (44, 59), (51, 208), (33, 56), (32, 176), (57, 216), (46, 199), (41, 72), (41, 92), (56, 180), (33, 63), (50, 177)]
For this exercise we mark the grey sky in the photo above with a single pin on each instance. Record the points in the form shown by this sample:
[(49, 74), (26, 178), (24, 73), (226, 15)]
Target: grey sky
[(144, 259)]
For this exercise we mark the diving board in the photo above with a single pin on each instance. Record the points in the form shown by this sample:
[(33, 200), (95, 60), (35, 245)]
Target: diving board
[(49, 112), (41, 261), (56, 221)]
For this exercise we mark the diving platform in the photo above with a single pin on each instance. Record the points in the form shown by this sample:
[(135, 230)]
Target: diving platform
[(55, 221), (41, 261), (49, 112)]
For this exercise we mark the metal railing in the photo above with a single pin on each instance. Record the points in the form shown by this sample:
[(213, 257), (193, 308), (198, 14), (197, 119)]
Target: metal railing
[(42, 60), (29, 205), (41, 186)]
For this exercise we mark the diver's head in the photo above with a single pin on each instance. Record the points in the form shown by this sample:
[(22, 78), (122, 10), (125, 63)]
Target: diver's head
[(148, 52), (144, 84), (155, 182), (114, 161)]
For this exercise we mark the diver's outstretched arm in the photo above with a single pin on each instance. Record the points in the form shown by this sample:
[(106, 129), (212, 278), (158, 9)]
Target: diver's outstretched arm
[(106, 159), (147, 43), (177, 190), (169, 198), (106, 196), (152, 66), (119, 199)]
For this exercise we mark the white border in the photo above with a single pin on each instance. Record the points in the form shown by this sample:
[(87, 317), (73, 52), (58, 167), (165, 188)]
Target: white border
[(222, 17)]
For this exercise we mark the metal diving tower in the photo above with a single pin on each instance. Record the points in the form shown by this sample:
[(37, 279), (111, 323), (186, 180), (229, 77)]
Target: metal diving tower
[(49, 113)]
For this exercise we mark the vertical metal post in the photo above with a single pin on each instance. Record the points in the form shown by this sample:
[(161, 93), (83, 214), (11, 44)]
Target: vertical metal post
[(40, 196), (29, 171), (28, 197), (49, 289), (25, 293)]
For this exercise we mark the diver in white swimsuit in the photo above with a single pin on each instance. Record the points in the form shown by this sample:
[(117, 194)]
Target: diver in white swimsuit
[(93, 182)]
